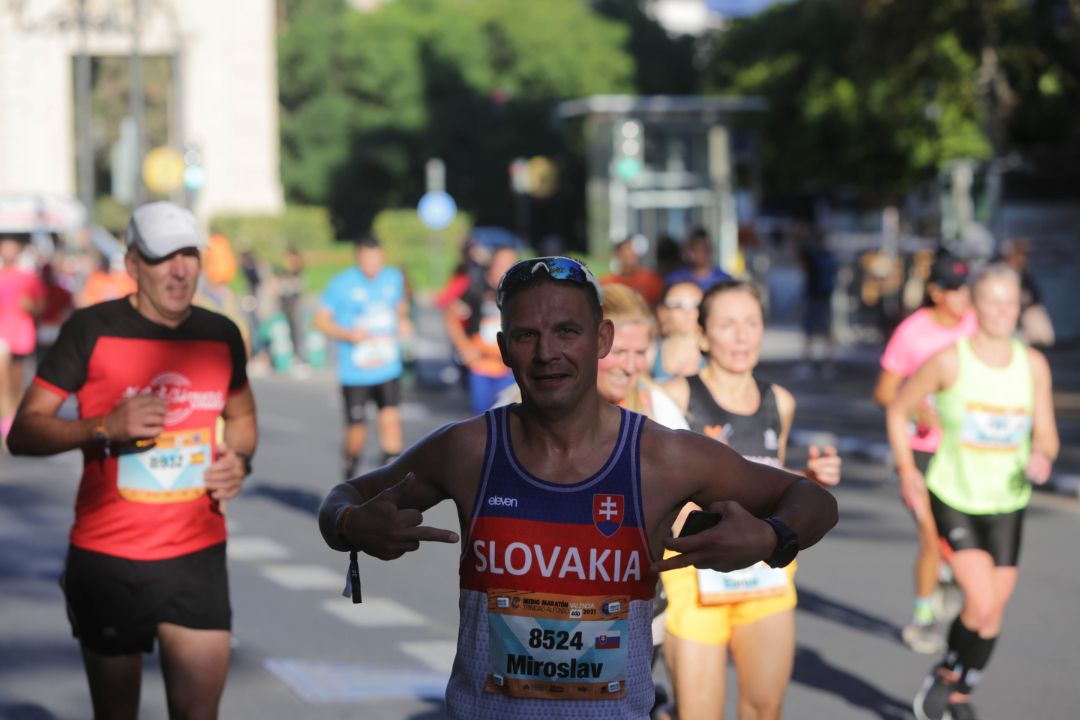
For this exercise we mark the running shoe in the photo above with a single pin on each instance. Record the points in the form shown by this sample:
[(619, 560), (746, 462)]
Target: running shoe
[(962, 711), (923, 638), (933, 699)]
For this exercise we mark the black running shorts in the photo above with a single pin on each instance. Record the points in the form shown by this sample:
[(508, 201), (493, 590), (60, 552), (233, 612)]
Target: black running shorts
[(997, 534), (115, 605), (387, 394)]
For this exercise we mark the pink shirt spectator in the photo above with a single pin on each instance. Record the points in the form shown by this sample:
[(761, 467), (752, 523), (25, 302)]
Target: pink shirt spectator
[(16, 324), (913, 342)]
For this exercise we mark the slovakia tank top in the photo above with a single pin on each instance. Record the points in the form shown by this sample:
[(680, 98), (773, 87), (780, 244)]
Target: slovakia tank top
[(555, 590)]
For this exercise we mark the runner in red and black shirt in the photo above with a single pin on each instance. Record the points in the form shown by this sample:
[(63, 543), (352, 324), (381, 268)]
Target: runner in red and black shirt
[(153, 375)]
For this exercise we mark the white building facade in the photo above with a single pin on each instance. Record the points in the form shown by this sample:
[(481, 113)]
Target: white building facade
[(226, 105)]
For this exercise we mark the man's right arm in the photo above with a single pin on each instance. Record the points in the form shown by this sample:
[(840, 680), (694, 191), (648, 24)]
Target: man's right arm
[(37, 431), (380, 513), (324, 323)]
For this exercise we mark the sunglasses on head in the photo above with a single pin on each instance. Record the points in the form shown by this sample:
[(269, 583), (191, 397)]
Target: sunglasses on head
[(557, 268)]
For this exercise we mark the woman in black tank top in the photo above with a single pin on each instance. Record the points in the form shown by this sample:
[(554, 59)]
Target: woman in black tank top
[(726, 402)]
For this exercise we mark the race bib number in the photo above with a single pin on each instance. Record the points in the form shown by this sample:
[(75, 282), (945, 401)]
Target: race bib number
[(375, 352), (557, 647), (752, 583), (170, 471), (988, 427)]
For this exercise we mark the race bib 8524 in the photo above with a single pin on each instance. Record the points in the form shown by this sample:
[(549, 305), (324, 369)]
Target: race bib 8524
[(557, 647)]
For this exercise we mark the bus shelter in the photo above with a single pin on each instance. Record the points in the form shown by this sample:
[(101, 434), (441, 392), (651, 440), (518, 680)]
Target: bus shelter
[(662, 164)]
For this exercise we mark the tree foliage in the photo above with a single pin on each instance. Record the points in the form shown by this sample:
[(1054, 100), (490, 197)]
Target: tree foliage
[(368, 97), (879, 95)]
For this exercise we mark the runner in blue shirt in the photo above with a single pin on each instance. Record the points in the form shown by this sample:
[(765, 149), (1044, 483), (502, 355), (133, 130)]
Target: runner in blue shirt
[(365, 309)]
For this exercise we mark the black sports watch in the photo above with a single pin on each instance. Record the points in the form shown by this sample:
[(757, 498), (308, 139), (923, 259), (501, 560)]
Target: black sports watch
[(787, 543), (246, 458)]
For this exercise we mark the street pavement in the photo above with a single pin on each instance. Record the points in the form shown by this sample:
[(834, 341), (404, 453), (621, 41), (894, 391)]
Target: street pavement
[(303, 651)]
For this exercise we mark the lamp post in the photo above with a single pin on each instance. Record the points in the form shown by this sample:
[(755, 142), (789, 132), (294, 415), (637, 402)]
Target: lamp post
[(137, 101), (83, 140)]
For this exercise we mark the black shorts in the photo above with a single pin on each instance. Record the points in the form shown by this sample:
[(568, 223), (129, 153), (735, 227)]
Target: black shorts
[(997, 534), (387, 394), (115, 605)]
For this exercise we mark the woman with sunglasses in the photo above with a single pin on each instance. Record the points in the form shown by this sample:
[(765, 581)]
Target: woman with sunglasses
[(678, 352), (998, 436), (750, 611)]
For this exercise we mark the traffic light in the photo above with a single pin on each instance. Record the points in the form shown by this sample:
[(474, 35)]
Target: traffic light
[(629, 149)]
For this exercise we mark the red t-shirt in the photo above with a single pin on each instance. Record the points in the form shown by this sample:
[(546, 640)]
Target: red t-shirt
[(147, 503)]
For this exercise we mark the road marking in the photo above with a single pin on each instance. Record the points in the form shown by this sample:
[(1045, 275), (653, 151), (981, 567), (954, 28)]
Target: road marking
[(436, 654), (304, 577), (328, 682), (255, 548), (373, 612)]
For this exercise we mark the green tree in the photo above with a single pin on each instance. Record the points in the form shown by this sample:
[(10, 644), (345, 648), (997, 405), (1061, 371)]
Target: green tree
[(314, 112), (367, 98), (879, 95), (663, 65)]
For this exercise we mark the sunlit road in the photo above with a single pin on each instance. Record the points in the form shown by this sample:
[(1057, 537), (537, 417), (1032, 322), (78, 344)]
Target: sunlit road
[(303, 651)]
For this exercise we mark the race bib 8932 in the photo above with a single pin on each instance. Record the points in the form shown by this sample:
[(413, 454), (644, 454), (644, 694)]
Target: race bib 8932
[(170, 471)]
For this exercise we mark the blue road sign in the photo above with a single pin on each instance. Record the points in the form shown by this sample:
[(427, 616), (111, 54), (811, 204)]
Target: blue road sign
[(436, 209)]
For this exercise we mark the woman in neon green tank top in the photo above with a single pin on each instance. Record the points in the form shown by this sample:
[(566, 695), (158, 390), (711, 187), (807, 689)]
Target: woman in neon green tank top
[(995, 405)]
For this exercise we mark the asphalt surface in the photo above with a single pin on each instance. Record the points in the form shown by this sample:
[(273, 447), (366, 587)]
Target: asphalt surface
[(303, 651)]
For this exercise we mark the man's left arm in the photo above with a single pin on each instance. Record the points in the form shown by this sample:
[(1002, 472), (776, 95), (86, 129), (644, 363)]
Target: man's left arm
[(225, 477), (745, 494)]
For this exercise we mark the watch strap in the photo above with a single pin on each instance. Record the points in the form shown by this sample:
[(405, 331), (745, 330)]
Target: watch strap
[(246, 458), (787, 545)]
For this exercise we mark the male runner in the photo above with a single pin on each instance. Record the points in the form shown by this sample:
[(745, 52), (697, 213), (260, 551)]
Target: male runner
[(565, 504), (365, 309), (153, 375)]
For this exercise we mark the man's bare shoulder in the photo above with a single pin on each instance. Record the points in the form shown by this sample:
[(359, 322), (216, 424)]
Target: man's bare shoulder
[(454, 447), (678, 453)]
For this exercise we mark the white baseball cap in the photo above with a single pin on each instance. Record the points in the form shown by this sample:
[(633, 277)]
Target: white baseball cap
[(159, 229)]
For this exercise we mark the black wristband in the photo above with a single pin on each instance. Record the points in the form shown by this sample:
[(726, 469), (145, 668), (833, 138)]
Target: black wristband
[(246, 457), (787, 543)]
